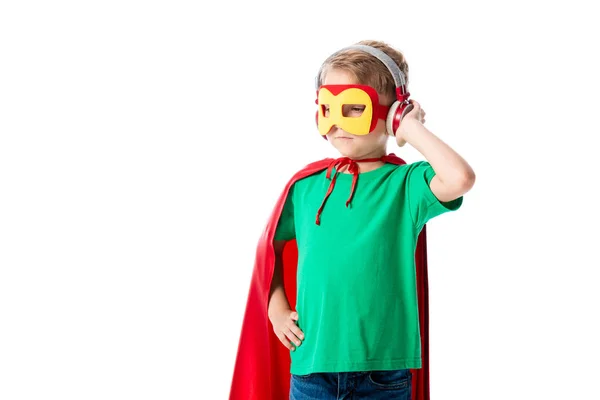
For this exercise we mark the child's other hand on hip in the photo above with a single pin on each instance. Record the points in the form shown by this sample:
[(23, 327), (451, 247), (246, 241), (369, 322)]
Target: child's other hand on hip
[(285, 328)]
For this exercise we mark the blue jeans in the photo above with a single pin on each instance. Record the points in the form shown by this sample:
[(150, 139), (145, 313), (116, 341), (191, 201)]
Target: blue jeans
[(373, 385)]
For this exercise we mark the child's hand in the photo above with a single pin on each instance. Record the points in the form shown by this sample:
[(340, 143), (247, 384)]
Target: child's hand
[(416, 113), (285, 328)]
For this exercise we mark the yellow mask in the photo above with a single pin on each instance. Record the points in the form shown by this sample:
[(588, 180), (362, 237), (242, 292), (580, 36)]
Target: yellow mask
[(353, 108)]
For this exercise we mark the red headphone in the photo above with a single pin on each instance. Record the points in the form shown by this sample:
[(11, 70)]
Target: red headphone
[(401, 106)]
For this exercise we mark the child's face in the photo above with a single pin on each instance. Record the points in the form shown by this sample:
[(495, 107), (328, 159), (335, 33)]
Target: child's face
[(356, 146)]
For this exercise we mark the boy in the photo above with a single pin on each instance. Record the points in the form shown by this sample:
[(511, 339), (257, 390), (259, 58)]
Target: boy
[(355, 223)]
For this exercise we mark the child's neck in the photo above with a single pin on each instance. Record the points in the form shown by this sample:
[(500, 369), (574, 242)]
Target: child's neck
[(369, 165)]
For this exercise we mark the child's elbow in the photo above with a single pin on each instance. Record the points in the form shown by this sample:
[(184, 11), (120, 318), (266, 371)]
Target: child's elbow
[(468, 180)]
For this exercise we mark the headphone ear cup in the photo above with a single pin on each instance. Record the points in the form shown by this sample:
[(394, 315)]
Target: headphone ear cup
[(389, 121), (397, 111)]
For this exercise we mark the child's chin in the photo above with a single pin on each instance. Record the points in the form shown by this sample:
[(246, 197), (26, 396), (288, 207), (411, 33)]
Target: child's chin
[(346, 148)]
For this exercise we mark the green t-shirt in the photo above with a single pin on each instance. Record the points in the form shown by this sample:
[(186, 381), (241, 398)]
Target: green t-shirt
[(356, 284)]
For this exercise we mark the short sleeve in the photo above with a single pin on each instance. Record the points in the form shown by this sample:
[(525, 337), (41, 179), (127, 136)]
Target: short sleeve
[(422, 202), (286, 229)]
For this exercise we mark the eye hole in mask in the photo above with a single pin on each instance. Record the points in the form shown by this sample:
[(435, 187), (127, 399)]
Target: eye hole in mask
[(348, 110), (353, 110)]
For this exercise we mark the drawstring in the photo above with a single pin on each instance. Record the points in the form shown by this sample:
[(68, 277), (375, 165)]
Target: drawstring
[(352, 168)]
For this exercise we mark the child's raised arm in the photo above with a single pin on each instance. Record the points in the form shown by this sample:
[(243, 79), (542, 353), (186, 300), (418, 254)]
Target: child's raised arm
[(454, 176)]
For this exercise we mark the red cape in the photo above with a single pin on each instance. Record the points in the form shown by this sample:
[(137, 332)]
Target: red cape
[(262, 367)]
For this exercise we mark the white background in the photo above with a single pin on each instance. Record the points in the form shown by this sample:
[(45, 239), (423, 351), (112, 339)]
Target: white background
[(143, 145)]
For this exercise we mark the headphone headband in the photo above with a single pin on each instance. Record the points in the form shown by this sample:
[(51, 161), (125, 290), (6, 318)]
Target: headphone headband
[(399, 79)]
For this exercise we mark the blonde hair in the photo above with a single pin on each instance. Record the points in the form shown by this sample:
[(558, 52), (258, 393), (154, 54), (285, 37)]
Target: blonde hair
[(367, 69)]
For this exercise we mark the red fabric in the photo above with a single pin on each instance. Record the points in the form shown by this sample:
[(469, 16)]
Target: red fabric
[(262, 367)]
